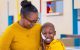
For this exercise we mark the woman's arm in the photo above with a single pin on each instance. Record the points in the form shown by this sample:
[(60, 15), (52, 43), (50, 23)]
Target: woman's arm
[(6, 40)]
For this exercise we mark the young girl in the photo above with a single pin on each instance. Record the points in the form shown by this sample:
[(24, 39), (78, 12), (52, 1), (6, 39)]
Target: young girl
[(48, 41)]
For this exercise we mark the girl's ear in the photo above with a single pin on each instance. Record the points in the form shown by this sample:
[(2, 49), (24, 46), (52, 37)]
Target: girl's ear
[(54, 33)]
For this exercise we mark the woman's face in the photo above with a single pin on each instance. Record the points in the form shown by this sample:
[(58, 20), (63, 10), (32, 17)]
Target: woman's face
[(49, 34), (30, 20)]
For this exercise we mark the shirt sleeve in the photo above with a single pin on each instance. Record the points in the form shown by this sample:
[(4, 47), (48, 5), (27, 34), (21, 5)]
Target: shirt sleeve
[(6, 40)]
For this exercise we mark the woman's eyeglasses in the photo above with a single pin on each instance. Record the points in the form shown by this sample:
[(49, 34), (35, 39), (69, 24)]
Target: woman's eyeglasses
[(32, 21)]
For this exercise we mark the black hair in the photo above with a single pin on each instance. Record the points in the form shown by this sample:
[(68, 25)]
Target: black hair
[(48, 24), (27, 7)]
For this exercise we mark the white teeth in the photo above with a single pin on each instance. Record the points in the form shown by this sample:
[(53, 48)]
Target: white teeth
[(48, 39), (44, 38)]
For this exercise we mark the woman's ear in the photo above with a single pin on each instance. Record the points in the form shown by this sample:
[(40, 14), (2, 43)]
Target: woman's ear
[(22, 16)]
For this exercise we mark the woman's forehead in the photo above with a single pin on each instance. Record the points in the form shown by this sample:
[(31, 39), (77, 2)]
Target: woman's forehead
[(33, 15)]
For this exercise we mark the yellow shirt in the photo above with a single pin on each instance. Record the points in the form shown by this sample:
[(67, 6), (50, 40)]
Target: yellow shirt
[(18, 38), (55, 45)]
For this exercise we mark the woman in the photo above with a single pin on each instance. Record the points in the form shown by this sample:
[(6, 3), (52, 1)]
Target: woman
[(24, 34)]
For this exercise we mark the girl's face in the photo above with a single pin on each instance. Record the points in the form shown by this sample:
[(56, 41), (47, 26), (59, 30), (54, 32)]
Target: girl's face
[(48, 33)]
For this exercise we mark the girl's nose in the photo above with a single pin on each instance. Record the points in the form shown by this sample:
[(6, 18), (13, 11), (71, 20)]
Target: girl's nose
[(47, 35)]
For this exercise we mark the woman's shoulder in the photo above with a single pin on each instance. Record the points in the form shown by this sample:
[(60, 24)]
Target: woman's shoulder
[(38, 25), (10, 27)]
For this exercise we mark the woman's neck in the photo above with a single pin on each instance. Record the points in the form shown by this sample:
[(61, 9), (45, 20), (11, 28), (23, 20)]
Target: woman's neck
[(21, 23)]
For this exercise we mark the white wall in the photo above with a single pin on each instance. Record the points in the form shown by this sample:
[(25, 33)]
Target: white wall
[(63, 24), (36, 3), (7, 7), (3, 15), (76, 4), (13, 9)]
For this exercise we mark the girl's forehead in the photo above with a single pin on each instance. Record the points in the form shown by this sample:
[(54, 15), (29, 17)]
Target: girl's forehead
[(47, 29)]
